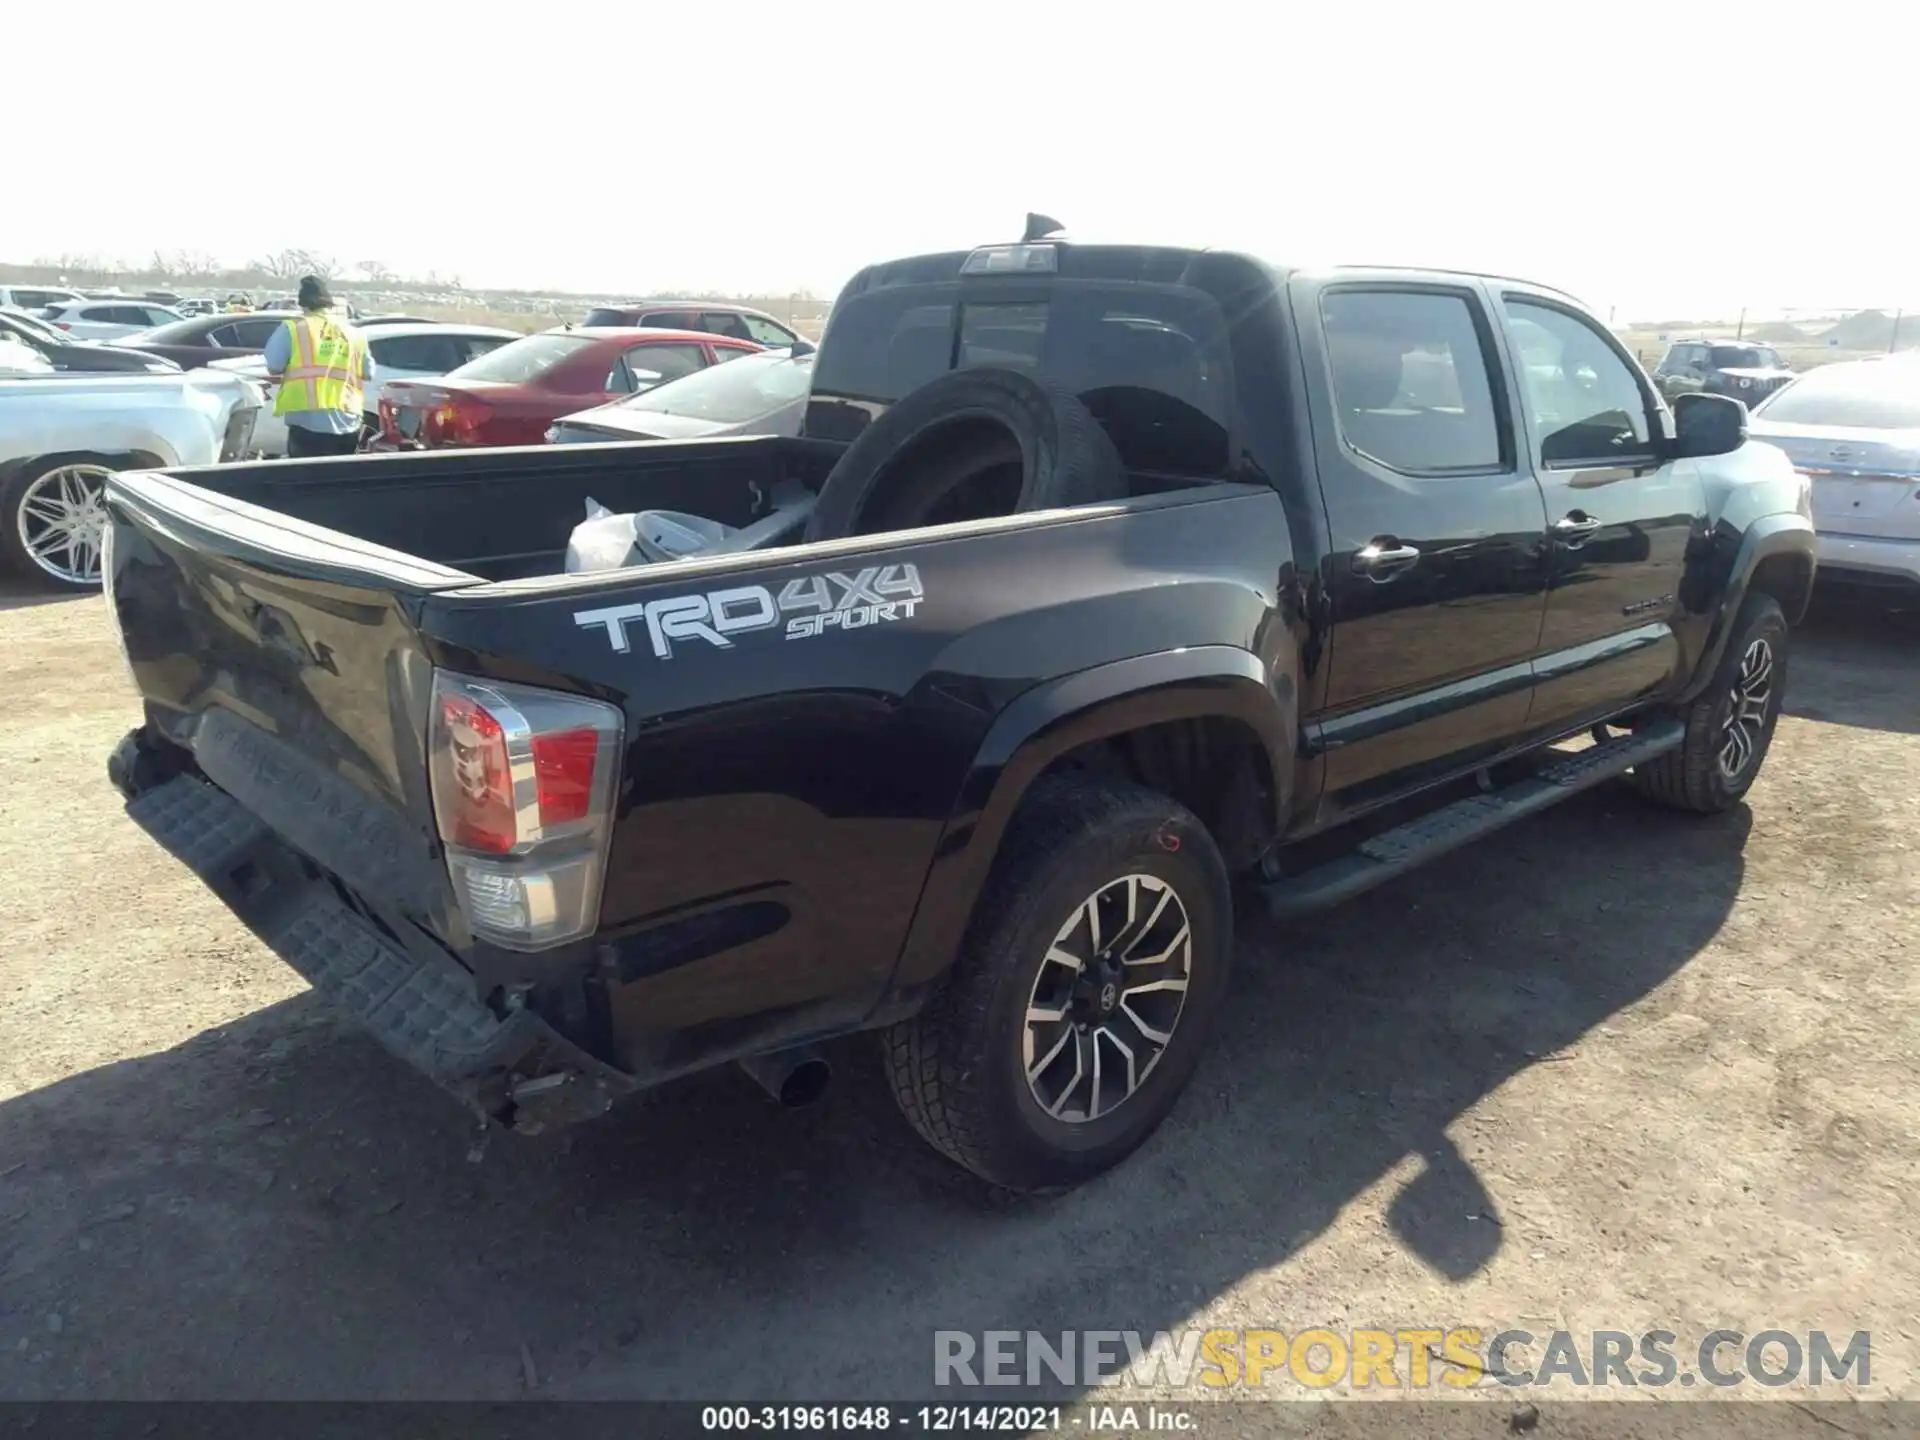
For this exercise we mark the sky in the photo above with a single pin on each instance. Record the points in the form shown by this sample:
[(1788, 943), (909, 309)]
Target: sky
[(1659, 160)]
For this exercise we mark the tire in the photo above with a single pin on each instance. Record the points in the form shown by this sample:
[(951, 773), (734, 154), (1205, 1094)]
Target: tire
[(1696, 775), (971, 443), (959, 1069), (52, 483)]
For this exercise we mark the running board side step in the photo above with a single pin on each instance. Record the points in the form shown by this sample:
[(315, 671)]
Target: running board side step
[(1396, 851)]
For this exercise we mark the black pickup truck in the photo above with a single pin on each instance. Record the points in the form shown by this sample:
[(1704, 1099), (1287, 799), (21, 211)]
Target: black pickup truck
[(1101, 578)]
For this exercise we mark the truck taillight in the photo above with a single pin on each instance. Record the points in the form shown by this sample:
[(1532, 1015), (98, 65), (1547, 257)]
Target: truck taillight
[(523, 785)]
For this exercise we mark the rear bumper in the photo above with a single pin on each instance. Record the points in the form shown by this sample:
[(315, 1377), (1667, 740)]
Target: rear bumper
[(1868, 559), (517, 1070)]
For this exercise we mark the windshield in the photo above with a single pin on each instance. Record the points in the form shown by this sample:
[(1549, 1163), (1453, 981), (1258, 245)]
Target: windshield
[(523, 359), (1745, 357), (742, 389), (1877, 395)]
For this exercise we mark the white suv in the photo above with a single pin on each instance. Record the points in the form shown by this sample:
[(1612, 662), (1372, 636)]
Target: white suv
[(36, 297), (108, 319)]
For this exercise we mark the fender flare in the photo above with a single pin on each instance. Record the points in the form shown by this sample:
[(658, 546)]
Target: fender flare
[(1058, 716), (1788, 533)]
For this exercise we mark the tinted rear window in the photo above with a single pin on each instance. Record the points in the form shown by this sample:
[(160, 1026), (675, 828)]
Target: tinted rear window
[(1880, 395), (604, 316), (520, 360), (1151, 362)]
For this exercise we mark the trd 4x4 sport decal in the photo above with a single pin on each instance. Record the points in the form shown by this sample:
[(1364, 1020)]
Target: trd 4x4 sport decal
[(810, 605)]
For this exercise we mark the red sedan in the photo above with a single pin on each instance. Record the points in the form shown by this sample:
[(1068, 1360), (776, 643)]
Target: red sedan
[(511, 395)]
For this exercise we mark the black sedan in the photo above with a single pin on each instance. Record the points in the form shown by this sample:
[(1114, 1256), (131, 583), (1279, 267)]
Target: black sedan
[(63, 352), (202, 339)]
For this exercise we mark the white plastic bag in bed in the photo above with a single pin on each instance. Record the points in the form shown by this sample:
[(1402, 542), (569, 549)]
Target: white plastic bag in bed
[(602, 541)]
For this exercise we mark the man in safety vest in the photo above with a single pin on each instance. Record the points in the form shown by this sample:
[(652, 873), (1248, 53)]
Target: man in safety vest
[(322, 365)]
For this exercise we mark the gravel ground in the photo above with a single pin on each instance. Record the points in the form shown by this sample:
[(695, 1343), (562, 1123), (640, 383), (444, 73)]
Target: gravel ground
[(1614, 1069)]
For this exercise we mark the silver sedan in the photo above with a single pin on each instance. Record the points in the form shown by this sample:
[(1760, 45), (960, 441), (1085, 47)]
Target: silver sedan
[(1854, 428)]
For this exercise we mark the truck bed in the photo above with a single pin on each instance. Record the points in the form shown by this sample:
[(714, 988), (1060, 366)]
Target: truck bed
[(502, 514)]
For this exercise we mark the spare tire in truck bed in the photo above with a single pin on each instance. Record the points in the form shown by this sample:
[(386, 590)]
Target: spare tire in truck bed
[(969, 445)]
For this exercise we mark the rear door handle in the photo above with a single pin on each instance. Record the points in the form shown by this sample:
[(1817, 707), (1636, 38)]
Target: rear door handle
[(1381, 560)]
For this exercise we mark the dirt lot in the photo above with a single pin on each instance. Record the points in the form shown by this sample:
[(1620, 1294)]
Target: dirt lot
[(1616, 1069)]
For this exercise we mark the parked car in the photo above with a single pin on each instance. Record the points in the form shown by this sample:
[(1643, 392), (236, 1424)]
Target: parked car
[(197, 305), (36, 298), (764, 394), (957, 731), (63, 352), (203, 339), (1739, 369), (1854, 428), (61, 436), (737, 322), (511, 396), (107, 319), (399, 352), (364, 321)]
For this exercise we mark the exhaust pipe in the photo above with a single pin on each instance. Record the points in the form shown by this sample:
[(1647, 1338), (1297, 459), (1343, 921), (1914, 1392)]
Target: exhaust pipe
[(794, 1077)]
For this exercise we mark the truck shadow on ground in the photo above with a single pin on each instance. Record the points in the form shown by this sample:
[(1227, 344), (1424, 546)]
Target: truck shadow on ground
[(277, 1209), (18, 594), (1857, 662)]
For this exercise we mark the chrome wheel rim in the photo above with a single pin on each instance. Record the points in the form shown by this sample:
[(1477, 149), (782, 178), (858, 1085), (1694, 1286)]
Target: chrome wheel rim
[(1747, 705), (1108, 997), (61, 519)]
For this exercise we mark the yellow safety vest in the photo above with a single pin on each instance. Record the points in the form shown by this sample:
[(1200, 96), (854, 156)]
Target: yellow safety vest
[(323, 372)]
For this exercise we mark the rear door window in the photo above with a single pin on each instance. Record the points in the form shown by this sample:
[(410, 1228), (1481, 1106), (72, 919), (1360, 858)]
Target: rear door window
[(252, 334), (724, 322), (671, 320), (1411, 379)]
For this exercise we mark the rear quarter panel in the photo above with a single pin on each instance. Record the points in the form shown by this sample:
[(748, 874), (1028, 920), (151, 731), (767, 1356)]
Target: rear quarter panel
[(785, 792)]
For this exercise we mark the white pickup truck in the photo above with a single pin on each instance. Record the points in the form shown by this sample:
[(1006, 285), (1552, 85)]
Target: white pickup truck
[(62, 435)]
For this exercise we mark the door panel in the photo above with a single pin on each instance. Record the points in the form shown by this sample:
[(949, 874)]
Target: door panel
[(1619, 522), (1435, 570)]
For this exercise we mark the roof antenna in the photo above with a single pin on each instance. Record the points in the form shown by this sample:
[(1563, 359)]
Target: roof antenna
[(1039, 227)]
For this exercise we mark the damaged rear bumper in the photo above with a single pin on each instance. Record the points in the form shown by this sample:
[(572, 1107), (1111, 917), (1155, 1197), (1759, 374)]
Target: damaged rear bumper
[(518, 1071)]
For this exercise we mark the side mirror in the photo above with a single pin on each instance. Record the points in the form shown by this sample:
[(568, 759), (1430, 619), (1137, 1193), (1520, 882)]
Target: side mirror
[(1706, 425), (800, 348)]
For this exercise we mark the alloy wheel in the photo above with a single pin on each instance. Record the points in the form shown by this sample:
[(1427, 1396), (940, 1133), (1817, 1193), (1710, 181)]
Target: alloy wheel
[(62, 519), (1107, 999), (1748, 702)]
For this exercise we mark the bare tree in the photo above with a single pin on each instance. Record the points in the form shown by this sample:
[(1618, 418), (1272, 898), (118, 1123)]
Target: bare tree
[(280, 265), (292, 264), (376, 272)]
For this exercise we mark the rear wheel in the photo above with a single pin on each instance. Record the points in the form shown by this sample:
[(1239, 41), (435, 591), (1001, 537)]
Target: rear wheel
[(54, 515), (1730, 726), (1084, 992)]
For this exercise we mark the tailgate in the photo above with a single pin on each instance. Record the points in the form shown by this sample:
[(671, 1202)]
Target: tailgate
[(286, 658)]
